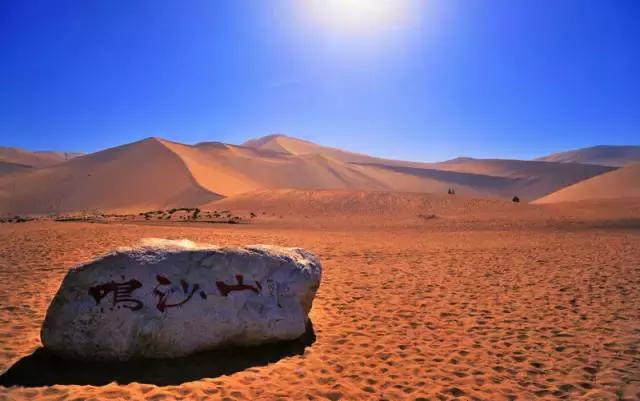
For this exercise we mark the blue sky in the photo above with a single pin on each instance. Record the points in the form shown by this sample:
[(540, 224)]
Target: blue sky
[(419, 80)]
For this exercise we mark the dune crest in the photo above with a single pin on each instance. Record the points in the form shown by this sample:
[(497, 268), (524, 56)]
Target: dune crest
[(157, 173), (605, 155), (139, 176)]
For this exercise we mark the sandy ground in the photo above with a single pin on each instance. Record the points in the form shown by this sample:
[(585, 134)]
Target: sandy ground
[(505, 313)]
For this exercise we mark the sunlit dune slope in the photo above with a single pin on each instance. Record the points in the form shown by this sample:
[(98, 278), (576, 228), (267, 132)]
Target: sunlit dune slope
[(138, 176), (295, 146), (622, 183), (472, 177), (230, 170), (606, 155), (156, 173)]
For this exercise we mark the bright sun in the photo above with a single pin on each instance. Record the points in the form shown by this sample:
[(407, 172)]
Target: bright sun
[(357, 15)]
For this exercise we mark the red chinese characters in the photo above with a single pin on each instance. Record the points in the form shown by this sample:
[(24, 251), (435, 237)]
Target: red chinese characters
[(121, 292), (225, 288), (163, 293)]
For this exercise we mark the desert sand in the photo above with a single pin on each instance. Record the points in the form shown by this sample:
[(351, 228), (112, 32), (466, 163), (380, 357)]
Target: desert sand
[(622, 183), (484, 301), (156, 174), (141, 176), (605, 155), (34, 159)]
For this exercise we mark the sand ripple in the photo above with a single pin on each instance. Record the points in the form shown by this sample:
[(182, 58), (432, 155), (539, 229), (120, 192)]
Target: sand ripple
[(403, 315)]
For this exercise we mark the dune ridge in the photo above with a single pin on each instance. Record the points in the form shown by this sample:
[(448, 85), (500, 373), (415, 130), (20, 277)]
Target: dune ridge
[(606, 155), (618, 184), (157, 173), (139, 176), (34, 159)]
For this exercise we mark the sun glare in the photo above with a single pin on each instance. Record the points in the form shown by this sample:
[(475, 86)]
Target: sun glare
[(357, 16)]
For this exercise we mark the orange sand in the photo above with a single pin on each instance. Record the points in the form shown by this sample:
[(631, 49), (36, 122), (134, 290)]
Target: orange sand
[(508, 311), (158, 174), (618, 184)]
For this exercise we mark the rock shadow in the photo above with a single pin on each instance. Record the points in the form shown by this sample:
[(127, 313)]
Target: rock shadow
[(43, 368)]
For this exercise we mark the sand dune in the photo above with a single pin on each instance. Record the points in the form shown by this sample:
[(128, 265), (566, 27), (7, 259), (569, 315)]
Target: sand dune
[(478, 177), (622, 183), (356, 208), (282, 162), (296, 146), (34, 159), (606, 155), (156, 173), (520, 168), (506, 178), (230, 170), (139, 176), (8, 168)]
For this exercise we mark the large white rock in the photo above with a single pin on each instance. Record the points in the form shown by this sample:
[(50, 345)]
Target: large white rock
[(173, 298)]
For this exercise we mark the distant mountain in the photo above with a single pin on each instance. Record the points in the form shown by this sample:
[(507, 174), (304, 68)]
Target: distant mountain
[(155, 173), (621, 183), (604, 155), (34, 159)]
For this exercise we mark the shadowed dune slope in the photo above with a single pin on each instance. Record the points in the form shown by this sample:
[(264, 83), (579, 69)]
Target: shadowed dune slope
[(622, 183), (606, 155), (156, 173), (506, 178), (8, 168), (34, 159), (139, 176), (231, 170), (521, 168), (471, 177)]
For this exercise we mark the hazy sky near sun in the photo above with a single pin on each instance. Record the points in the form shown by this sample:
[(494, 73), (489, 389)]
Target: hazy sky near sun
[(419, 80)]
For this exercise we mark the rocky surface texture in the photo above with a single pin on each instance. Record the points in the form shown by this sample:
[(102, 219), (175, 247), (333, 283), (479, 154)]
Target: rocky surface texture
[(173, 298)]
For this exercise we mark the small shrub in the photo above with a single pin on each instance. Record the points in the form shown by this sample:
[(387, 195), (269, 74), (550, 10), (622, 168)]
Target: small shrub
[(515, 199), (427, 216)]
